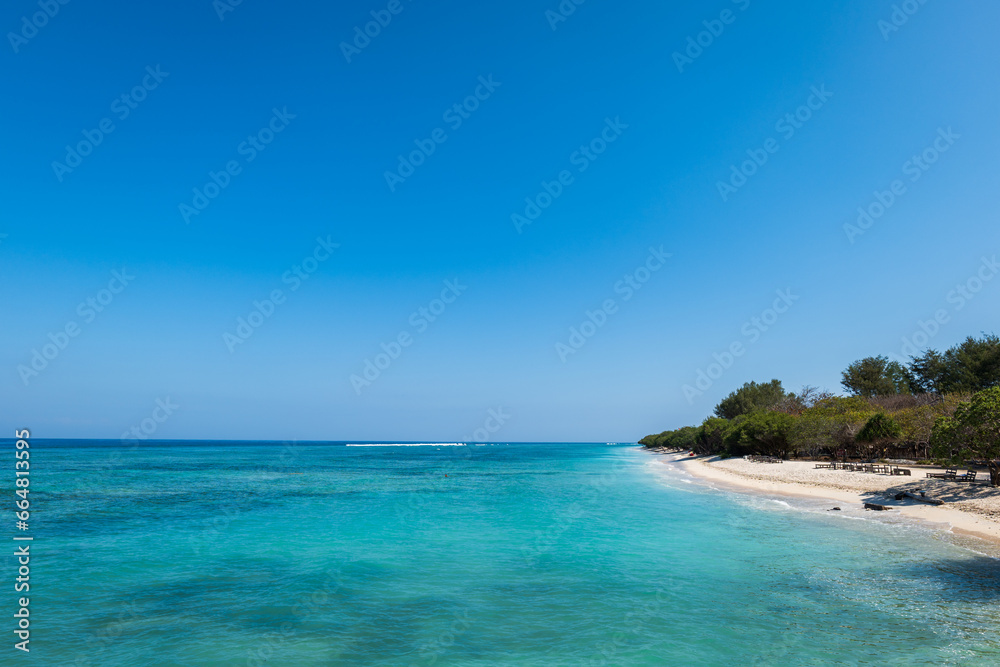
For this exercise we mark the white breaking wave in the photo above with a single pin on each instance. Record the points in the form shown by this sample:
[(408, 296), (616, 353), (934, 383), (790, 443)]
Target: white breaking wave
[(409, 444)]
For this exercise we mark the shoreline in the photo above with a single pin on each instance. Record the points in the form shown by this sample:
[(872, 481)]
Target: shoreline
[(787, 479)]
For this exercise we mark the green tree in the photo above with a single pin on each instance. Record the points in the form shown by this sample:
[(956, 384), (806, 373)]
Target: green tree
[(682, 438), (815, 433), (971, 366), (917, 420), (711, 436), (878, 432), (760, 433), (974, 430), (876, 376), (649, 440), (751, 397), (832, 423), (880, 428), (927, 372)]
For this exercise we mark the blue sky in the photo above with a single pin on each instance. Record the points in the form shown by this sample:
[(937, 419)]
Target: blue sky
[(203, 91)]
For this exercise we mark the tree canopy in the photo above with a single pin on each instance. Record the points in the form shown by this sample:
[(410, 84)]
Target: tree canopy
[(971, 366), (879, 428), (750, 398), (876, 376), (973, 431), (945, 403), (760, 432)]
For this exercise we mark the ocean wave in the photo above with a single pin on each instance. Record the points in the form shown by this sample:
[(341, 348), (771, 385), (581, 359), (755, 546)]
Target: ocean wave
[(409, 444)]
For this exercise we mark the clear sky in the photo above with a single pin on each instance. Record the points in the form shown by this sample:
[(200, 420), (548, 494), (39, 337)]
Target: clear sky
[(299, 133)]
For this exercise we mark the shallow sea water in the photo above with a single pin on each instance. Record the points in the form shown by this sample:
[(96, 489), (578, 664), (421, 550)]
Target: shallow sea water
[(521, 554)]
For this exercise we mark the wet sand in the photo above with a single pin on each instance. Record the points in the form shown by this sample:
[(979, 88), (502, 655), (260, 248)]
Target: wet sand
[(969, 509)]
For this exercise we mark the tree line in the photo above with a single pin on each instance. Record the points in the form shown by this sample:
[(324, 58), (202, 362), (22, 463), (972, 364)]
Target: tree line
[(942, 406)]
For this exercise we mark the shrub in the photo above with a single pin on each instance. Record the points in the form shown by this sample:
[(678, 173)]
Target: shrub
[(974, 430), (749, 398), (760, 433), (881, 427)]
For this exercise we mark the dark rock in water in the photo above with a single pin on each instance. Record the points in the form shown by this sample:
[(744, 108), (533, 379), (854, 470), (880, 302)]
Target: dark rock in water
[(877, 508), (835, 509)]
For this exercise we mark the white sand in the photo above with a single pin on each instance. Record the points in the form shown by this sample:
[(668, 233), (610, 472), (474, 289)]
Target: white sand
[(970, 509)]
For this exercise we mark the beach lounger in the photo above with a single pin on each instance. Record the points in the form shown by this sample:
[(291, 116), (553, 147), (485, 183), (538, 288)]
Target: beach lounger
[(969, 476), (950, 473)]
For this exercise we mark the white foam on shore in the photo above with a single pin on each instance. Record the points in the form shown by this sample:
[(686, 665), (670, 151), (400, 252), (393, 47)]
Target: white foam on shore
[(818, 506), (418, 444)]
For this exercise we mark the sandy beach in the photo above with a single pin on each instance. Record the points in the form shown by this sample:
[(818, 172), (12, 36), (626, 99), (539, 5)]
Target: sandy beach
[(968, 509)]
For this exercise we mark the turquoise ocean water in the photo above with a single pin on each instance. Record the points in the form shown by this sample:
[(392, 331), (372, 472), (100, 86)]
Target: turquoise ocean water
[(548, 554)]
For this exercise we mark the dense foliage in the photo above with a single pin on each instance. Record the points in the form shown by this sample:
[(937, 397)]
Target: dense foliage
[(973, 432), (945, 405), (876, 376), (879, 428), (749, 398), (973, 365), (759, 433), (968, 367)]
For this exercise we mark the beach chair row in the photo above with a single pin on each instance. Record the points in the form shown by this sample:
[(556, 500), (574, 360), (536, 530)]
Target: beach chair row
[(756, 458), (951, 475), (873, 468)]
